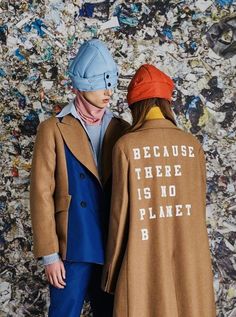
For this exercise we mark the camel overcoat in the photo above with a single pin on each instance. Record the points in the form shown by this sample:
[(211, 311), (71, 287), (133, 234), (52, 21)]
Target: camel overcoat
[(57, 142), (158, 260)]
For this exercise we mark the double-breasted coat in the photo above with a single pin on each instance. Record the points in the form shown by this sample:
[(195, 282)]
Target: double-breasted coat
[(68, 198), (158, 260)]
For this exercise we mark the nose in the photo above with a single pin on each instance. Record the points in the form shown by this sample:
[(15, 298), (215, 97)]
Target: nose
[(108, 92)]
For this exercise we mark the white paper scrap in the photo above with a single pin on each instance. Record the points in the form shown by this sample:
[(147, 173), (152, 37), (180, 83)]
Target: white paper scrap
[(112, 23)]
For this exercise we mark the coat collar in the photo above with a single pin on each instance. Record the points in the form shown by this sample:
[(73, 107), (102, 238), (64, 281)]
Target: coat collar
[(157, 124), (76, 139)]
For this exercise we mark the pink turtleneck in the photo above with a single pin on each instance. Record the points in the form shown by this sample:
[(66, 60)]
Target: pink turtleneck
[(89, 113)]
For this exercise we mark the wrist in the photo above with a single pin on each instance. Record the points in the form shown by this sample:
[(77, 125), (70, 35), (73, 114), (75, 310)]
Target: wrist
[(51, 258)]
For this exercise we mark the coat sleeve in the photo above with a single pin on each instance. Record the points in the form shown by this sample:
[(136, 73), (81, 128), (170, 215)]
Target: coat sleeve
[(202, 162), (42, 186), (118, 224)]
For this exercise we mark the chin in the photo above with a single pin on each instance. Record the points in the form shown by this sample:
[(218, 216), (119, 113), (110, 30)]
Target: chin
[(103, 105)]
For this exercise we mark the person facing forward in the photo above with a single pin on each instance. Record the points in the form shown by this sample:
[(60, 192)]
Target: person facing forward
[(70, 186), (158, 260)]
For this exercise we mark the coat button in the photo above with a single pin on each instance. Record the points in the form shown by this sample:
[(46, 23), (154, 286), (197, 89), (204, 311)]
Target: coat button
[(107, 76), (81, 175), (83, 204), (109, 84)]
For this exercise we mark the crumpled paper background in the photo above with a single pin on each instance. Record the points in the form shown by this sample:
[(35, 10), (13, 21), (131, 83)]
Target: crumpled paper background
[(193, 41)]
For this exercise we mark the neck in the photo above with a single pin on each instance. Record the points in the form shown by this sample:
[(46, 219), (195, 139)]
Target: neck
[(154, 113), (89, 113)]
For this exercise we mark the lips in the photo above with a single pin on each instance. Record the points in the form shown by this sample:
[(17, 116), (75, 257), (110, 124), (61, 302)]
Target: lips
[(105, 100)]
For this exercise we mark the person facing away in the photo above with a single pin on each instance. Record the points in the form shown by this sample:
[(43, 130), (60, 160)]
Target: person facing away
[(70, 186), (158, 260)]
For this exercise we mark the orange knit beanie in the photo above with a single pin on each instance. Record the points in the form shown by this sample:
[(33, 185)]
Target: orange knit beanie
[(149, 82)]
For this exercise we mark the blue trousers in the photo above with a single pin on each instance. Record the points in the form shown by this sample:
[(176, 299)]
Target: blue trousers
[(83, 281)]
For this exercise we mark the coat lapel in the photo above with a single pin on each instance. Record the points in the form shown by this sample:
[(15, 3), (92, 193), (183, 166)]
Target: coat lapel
[(77, 141)]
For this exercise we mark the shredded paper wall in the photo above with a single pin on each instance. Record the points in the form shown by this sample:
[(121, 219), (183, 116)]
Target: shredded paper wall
[(192, 41)]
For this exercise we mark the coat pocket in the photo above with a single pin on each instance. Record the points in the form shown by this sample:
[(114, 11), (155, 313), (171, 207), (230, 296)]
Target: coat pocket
[(62, 203)]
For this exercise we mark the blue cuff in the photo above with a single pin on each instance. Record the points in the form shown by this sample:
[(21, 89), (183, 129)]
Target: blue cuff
[(51, 258)]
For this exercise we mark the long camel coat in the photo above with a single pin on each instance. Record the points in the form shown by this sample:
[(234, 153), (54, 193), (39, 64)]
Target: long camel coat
[(158, 261), (50, 199)]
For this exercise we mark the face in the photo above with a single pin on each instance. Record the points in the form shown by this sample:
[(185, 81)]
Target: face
[(98, 98)]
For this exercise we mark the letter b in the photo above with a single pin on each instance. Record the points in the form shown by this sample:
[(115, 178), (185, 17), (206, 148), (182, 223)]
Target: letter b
[(137, 155), (145, 235)]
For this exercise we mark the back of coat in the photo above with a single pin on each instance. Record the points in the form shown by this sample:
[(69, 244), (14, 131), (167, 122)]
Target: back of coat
[(158, 260)]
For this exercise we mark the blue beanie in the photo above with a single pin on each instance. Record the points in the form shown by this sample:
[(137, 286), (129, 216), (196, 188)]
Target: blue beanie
[(93, 68)]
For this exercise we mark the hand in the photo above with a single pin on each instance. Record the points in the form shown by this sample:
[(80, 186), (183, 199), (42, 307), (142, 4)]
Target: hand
[(56, 274)]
